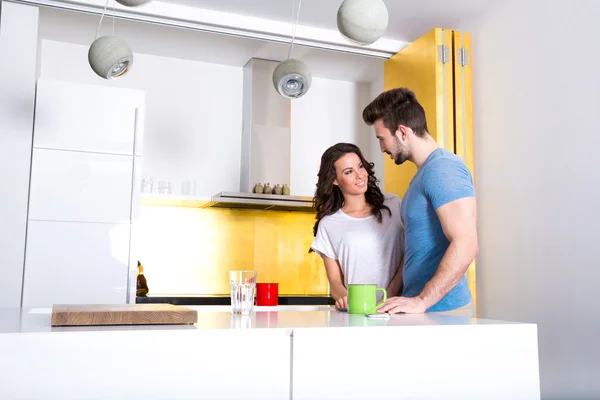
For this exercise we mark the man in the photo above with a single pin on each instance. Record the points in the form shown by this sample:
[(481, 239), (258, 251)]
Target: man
[(439, 210)]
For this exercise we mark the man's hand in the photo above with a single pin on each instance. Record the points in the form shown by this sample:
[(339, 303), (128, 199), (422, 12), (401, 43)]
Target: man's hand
[(408, 305), (342, 302)]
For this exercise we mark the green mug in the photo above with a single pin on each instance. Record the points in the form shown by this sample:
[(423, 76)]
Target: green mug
[(362, 299)]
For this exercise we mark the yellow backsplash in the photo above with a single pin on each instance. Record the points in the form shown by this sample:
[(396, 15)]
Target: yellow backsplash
[(191, 250)]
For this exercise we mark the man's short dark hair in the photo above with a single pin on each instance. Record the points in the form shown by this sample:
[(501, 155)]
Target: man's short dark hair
[(397, 107)]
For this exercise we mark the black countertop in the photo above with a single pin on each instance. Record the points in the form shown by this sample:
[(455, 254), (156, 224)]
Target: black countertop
[(225, 300)]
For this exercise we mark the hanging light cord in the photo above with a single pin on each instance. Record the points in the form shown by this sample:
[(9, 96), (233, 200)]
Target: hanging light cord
[(113, 30), (295, 25), (102, 16)]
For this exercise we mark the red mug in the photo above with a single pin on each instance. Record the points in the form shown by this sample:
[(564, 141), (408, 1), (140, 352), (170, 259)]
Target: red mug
[(267, 294)]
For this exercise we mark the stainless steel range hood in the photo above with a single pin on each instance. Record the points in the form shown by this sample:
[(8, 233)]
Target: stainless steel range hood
[(265, 146), (262, 201)]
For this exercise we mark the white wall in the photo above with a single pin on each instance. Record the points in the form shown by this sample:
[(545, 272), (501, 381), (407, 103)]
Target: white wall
[(194, 113), (329, 113), (536, 124), (18, 47), (374, 154)]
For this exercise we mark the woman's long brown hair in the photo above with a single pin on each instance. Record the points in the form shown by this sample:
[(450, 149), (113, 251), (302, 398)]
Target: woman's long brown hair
[(329, 198)]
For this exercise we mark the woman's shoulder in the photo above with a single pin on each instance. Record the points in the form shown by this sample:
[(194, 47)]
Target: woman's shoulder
[(391, 198), (329, 220), (394, 202)]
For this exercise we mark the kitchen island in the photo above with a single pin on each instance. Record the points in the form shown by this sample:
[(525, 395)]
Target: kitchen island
[(284, 352)]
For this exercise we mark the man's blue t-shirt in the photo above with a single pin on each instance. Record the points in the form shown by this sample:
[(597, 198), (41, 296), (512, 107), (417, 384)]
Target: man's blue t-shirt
[(443, 177)]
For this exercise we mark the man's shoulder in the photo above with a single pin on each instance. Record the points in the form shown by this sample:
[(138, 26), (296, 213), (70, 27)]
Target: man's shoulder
[(446, 166), (446, 179), (443, 157)]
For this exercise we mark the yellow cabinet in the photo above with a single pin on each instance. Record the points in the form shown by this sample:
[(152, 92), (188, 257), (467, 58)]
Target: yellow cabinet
[(437, 68)]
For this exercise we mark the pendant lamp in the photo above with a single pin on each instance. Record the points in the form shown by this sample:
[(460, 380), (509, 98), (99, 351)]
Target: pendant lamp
[(292, 78), (109, 56), (133, 3), (362, 22)]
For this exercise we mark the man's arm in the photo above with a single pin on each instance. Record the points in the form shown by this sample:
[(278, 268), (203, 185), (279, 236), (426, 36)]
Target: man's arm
[(459, 223), (395, 285)]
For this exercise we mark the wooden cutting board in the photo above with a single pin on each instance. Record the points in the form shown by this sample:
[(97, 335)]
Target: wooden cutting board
[(121, 314)]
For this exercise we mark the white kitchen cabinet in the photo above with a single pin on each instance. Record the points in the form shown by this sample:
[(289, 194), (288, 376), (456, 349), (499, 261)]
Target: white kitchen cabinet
[(76, 116), (80, 186), (84, 194), (417, 356), (118, 362), (76, 262), (136, 193)]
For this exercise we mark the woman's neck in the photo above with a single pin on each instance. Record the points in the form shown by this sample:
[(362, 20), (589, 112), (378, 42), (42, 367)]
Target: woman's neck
[(356, 206)]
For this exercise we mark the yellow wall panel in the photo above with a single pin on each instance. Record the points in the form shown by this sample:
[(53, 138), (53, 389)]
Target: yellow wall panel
[(191, 250), (418, 68), (464, 118)]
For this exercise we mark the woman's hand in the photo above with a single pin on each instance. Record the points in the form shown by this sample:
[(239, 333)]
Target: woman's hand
[(342, 302)]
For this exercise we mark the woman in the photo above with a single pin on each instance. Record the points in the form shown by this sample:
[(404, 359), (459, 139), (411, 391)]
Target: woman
[(358, 233)]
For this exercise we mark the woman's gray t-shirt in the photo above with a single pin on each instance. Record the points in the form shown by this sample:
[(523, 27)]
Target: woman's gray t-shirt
[(368, 252)]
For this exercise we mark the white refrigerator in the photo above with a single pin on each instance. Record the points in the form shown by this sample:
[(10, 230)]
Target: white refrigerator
[(84, 195)]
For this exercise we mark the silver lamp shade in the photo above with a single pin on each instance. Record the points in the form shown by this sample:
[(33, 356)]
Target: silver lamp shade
[(292, 78), (133, 3), (362, 21), (110, 57)]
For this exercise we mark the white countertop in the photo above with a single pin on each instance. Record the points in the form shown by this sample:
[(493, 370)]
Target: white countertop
[(32, 320), (275, 353)]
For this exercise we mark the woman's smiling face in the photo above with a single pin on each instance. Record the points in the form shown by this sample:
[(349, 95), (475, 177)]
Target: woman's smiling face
[(351, 175)]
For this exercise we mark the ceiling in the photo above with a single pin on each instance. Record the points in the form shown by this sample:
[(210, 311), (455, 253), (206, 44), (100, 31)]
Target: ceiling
[(408, 19), (161, 40)]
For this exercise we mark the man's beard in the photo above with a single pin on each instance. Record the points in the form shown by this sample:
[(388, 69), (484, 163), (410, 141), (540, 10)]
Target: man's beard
[(401, 154), (400, 158)]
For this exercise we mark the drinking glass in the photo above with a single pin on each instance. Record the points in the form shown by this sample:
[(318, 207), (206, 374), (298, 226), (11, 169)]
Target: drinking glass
[(188, 188), (147, 184), (242, 284), (164, 187)]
